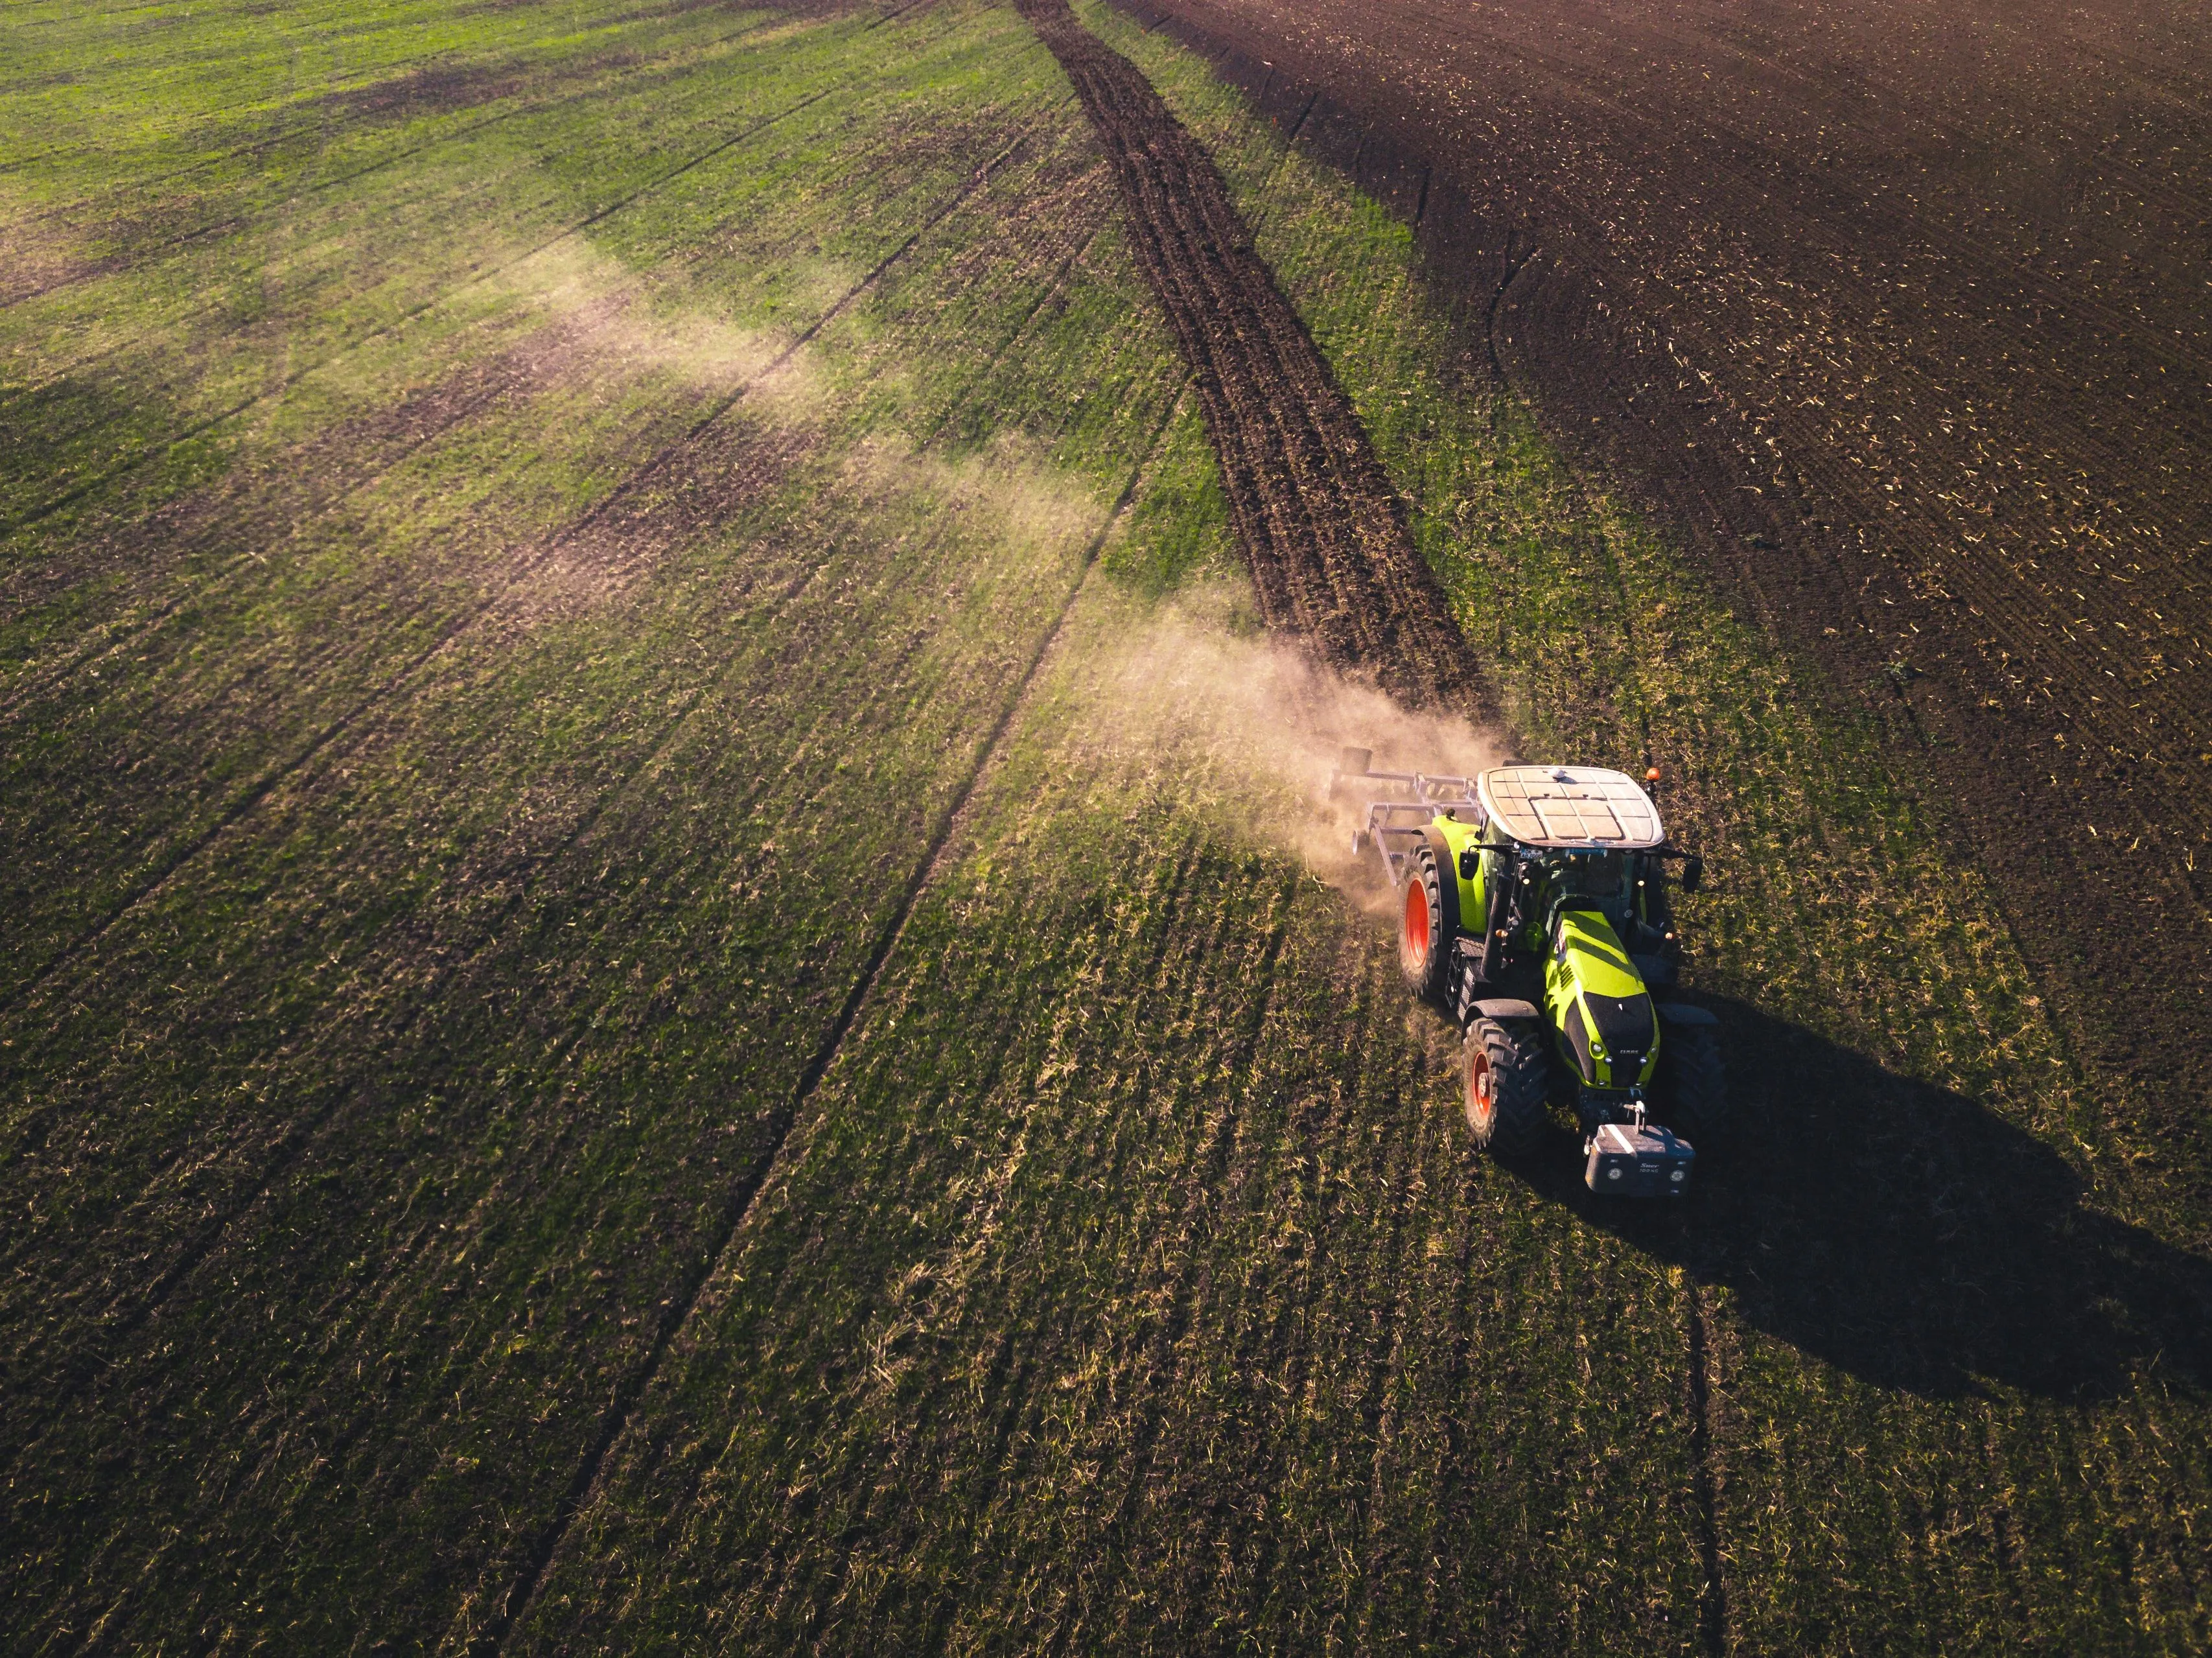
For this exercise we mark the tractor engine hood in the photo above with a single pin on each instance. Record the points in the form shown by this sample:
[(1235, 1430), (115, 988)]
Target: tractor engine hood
[(1608, 1028)]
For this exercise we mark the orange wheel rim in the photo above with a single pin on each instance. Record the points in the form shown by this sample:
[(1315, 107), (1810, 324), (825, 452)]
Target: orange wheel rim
[(1481, 1089), (1417, 920)]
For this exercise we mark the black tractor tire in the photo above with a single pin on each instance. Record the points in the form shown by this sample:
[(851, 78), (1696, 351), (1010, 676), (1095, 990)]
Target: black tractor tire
[(1503, 1068), (1692, 1083), (1428, 926)]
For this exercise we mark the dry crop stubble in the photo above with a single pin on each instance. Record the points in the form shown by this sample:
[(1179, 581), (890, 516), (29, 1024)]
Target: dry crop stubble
[(395, 1038), (1126, 1278), (1148, 1309)]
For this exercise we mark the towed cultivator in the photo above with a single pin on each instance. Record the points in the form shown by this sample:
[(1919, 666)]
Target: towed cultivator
[(1532, 908)]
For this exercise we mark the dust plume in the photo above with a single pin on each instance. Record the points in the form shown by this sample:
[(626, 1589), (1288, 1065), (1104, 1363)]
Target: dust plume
[(616, 321), (1261, 723)]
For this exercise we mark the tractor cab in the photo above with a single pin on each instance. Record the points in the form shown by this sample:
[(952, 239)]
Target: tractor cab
[(1533, 909)]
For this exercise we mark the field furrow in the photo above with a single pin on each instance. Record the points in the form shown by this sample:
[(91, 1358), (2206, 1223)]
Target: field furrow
[(1321, 530), (673, 977)]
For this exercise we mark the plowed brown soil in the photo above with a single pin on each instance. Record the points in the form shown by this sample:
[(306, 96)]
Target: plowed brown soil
[(1905, 321), (1312, 509)]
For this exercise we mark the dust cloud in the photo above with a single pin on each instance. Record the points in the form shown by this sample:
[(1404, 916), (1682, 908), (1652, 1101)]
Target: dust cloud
[(1252, 719), (611, 322)]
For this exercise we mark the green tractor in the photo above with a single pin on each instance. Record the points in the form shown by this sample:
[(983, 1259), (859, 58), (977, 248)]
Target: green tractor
[(1532, 909)]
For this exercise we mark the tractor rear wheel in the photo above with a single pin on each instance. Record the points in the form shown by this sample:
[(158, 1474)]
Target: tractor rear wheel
[(1425, 940), (1693, 1085), (1505, 1070)]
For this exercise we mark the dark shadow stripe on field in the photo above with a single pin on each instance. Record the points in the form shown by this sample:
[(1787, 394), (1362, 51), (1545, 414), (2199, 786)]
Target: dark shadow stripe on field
[(1906, 1236), (357, 96), (677, 1309), (1315, 513)]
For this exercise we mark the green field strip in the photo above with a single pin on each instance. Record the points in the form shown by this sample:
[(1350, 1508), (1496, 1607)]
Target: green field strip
[(159, 791), (1104, 371), (225, 1009), (1846, 919), (224, 390), (571, 90), (374, 103), (1126, 1281), (191, 299), (128, 117), (1130, 1286)]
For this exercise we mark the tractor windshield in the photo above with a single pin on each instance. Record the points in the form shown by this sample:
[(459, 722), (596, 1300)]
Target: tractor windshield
[(1600, 876)]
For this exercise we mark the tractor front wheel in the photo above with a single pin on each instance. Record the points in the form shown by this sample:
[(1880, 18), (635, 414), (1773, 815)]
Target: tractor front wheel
[(1425, 941), (1505, 1070), (1693, 1087)]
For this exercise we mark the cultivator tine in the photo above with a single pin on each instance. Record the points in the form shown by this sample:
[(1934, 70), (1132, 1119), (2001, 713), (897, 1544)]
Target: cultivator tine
[(1401, 805)]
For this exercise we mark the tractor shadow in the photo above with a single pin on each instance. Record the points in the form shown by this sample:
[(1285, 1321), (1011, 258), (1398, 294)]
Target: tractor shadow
[(1902, 1234)]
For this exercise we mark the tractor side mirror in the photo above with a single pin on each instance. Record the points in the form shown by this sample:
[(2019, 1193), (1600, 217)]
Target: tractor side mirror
[(1470, 860), (1693, 874)]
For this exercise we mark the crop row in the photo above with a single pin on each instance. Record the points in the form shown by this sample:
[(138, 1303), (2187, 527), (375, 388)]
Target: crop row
[(351, 1163), (568, 1143)]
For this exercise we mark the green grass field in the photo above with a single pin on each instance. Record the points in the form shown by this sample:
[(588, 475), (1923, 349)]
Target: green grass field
[(664, 990)]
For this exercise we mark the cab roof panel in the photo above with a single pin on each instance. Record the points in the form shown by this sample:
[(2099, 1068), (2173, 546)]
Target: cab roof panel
[(1571, 806)]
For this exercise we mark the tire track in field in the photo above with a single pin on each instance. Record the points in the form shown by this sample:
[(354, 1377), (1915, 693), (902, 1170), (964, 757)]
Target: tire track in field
[(1712, 1602), (1319, 522), (524, 567), (492, 1637)]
